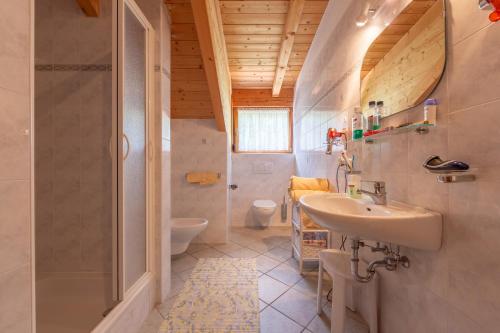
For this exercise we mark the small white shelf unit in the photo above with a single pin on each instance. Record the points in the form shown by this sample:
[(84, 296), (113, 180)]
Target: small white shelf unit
[(307, 243)]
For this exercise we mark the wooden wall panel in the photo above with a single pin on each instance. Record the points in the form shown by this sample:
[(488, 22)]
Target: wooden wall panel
[(262, 97), (189, 91)]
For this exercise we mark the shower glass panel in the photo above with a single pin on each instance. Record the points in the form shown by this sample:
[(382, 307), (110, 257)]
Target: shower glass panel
[(75, 166), (134, 146)]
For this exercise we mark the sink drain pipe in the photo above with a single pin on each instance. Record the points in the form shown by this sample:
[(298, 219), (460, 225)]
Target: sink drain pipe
[(391, 261)]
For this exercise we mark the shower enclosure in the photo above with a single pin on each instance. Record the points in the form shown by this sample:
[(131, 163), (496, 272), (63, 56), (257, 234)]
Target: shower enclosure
[(92, 93)]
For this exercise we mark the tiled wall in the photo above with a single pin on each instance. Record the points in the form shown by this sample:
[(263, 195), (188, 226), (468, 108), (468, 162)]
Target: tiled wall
[(254, 185), (73, 122), (454, 290), (15, 231), (198, 146)]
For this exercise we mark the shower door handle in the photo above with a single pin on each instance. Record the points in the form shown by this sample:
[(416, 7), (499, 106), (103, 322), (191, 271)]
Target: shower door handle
[(128, 147), (233, 187)]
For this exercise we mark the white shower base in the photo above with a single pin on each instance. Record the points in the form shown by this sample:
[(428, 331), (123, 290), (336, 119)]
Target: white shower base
[(71, 302)]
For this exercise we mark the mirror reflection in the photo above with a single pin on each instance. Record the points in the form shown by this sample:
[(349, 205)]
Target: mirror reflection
[(405, 63)]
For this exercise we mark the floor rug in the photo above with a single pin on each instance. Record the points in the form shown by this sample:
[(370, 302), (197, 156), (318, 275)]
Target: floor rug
[(221, 295)]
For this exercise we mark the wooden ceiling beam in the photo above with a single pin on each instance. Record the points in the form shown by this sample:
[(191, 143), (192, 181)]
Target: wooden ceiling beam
[(91, 8), (208, 22), (295, 9)]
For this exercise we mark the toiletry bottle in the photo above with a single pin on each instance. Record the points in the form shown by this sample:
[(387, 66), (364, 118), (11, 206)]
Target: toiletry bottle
[(369, 124), (354, 184), (379, 112), (357, 124), (430, 111), (372, 105)]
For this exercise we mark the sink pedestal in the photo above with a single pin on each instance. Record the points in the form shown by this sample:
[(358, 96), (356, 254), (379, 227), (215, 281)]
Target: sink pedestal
[(337, 264)]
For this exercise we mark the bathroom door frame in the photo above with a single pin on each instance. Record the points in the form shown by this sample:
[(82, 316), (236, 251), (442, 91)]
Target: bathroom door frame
[(150, 144)]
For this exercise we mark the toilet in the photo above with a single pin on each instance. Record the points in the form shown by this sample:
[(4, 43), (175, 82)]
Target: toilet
[(184, 230), (263, 210)]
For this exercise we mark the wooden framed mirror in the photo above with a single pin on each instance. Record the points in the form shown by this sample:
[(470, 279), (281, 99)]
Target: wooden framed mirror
[(406, 61)]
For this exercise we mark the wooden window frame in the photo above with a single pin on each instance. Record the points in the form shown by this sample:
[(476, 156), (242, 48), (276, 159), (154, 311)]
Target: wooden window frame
[(236, 138)]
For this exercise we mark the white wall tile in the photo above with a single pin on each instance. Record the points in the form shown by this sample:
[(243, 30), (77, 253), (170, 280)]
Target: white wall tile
[(197, 146), (253, 186), (15, 303), (15, 230)]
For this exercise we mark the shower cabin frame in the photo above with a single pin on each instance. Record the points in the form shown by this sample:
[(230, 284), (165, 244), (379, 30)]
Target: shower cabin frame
[(140, 293), (118, 79)]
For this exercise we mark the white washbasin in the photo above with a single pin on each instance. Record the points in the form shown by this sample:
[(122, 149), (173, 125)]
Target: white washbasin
[(394, 223)]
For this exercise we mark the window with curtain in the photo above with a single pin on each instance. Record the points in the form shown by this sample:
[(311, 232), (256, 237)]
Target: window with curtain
[(263, 130)]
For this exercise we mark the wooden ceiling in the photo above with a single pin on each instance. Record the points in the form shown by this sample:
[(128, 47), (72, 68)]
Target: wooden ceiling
[(190, 94), (255, 32), (394, 32)]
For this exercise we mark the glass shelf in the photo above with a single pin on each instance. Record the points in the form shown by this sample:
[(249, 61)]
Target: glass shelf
[(455, 176), (418, 128)]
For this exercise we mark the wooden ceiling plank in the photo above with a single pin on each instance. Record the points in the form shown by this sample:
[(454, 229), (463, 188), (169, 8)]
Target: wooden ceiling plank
[(267, 93), (253, 18), (253, 29), (181, 13), (254, 7), (307, 29), (315, 7), (208, 22), (261, 97), (253, 39), (253, 55), (186, 61), (265, 39), (252, 47), (186, 47), (189, 85), (91, 8), (181, 95), (249, 68), (252, 62), (184, 32), (291, 26), (189, 74)]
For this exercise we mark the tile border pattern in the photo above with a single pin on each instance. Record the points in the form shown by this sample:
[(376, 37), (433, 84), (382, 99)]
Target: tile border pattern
[(73, 67)]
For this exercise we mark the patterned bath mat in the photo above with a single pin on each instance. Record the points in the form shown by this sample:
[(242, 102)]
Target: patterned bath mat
[(220, 296)]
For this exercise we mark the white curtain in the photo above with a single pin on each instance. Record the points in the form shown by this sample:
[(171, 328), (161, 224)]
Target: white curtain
[(263, 129)]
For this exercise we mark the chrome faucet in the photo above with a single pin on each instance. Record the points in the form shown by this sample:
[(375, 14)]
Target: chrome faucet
[(378, 195)]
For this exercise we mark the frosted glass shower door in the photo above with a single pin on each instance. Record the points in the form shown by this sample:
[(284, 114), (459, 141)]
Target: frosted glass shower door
[(135, 34)]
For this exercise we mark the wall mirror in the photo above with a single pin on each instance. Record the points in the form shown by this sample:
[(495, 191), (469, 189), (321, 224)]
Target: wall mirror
[(406, 61)]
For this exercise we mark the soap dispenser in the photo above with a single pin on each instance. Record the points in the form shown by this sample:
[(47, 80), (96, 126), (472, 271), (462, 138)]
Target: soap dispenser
[(354, 185)]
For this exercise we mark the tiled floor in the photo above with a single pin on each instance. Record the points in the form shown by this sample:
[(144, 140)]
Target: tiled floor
[(287, 299)]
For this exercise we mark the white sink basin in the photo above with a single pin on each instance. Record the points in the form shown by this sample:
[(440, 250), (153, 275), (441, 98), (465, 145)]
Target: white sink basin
[(394, 223)]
